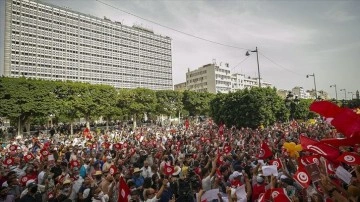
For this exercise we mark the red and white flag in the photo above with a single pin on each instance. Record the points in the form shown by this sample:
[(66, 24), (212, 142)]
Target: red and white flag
[(330, 169), (227, 149), (264, 152), (277, 163), (312, 159), (302, 177), (124, 191), (28, 157), (168, 170), (320, 148), (275, 195), (337, 142), (221, 129), (349, 158), (347, 122)]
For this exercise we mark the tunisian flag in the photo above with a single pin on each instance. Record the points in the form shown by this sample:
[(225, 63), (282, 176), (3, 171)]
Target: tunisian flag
[(124, 191), (277, 163), (349, 158), (264, 152), (320, 148), (337, 142), (302, 177), (276, 195)]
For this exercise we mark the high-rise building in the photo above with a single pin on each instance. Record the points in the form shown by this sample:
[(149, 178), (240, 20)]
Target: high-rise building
[(50, 42), (210, 78)]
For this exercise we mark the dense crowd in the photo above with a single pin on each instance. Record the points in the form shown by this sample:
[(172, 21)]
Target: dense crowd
[(191, 162)]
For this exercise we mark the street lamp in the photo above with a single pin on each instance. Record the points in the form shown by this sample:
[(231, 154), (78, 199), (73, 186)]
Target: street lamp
[(313, 75), (257, 57), (344, 91), (335, 91)]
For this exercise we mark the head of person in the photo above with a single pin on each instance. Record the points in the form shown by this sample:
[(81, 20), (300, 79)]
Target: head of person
[(150, 193), (4, 191)]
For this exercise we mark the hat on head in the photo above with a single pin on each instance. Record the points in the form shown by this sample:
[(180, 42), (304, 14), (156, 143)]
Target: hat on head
[(259, 179), (67, 181), (137, 170), (29, 182), (234, 175), (177, 170), (98, 172)]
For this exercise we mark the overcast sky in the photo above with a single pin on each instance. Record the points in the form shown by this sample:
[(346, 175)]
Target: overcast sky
[(299, 37)]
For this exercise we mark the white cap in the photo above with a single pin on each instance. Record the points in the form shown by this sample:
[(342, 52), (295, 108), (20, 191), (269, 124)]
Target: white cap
[(234, 175)]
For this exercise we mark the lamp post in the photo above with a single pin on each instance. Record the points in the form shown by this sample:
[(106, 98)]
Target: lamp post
[(335, 91), (257, 58), (344, 92), (313, 75)]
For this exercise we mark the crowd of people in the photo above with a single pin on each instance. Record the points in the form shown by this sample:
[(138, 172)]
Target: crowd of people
[(191, 162)]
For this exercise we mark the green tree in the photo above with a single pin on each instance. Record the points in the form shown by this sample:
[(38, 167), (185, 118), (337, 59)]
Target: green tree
[(21, 99), (249, 108), (197, 103), (302, 110), (169, 102), (136, 102)]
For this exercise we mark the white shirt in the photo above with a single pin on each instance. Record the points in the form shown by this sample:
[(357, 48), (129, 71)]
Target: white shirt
[(146, 172), (41, 177)]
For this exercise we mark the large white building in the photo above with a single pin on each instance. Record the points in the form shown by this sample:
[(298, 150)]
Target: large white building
[(211, 78), (300, 92), (50, 42), (240, 82)]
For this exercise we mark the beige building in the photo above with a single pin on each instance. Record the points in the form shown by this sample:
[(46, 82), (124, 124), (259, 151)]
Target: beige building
[(240, 82), (180, 86), (211, 78)]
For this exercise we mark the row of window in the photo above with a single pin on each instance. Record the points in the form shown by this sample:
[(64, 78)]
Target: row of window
[(84, 21), (95, 55), (86, 78), (97, 47)]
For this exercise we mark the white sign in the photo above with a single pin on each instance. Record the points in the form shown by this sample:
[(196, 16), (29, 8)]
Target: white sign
[(270, 170), (343, 174)]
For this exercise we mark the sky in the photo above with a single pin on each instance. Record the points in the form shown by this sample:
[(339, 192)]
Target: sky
[(294, 38)]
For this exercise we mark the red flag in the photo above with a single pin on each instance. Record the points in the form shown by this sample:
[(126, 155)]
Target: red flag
[(9, 161), (325, 108), (264, 152), (221, 129), (312, 159), (330, 169), (347, 122), (302, 177), (28, 157), (13, 147), (276, 195), (227, 149), (74, 163), (124, 191), (277, 163), (337, 142), (117, 146), (349, 158), (44, 152), (187, 124), (320, 148), (168, 170)]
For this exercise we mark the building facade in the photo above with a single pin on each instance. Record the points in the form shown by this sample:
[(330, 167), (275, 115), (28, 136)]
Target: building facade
[(211, 78), (180, 86), (240, 82), (301, 93), (49, 42)]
